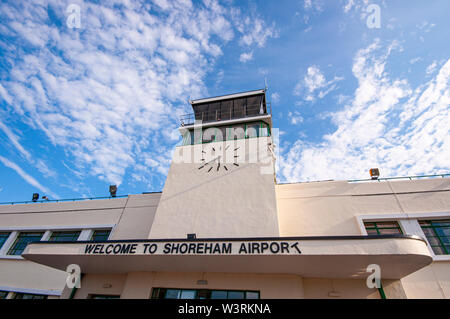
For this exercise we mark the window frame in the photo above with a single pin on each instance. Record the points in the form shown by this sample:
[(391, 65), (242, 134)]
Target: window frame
[(5, 237), (64, 232), (158, 291), (16, 241), (33, 296), (409, 224), (99, 230), (228, 136), (441, 245), (377, 228)]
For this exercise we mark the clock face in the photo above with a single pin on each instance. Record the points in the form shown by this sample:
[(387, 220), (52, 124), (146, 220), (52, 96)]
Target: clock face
[(213, 159)]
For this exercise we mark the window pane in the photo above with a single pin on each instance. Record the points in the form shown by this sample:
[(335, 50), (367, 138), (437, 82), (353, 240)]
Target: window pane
[(29, 296), (252, 130), (214, 111), (172, 294), (220, 134), (188, 138), (428, 231), (442, 231), (187, 294), (236, 133), (438, 235), (209, 135), (100, 235), (386, 224), (218, 294), (383, 228), (235, 295), (254, 105), (438, 250), (105, 297), (434, 241), (440, 222), (3, 238), (201, 112), (3, 294), (203, 294), (22, 241), (65, 236), (264, 130), (239, 107), (226, 109), (389, 231), (252, 295)]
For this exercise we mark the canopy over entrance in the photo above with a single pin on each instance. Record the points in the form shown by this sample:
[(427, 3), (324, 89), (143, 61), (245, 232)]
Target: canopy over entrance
[(318, 257)]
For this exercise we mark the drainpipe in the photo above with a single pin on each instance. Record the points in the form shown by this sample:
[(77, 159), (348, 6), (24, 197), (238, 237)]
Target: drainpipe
[(74, 289), (381, 291)]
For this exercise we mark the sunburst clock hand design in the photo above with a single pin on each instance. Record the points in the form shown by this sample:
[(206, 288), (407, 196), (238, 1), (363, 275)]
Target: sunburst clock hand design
[(217, 161)]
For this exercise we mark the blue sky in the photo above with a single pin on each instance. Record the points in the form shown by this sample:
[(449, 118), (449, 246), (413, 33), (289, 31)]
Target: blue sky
[(82, 108)]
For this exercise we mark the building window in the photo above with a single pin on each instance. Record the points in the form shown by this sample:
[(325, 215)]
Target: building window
[(101, 235), (19, 295), (169, 293), (252, 130), (383, 228), (65, 236), (438, 235), (3, 238), (3, 294), (23, 240), (104, 297)]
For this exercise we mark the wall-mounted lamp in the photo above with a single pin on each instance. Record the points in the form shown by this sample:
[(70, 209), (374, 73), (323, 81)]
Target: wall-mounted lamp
[(112, 190), (374, 173), (191, 236)]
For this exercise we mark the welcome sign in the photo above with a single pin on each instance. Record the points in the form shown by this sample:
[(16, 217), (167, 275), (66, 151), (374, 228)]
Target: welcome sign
[(194, 248)]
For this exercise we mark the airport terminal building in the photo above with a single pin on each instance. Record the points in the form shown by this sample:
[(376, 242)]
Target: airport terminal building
[(223, 228)]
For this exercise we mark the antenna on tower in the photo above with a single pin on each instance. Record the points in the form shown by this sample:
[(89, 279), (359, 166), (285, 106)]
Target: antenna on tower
[(265, 83)]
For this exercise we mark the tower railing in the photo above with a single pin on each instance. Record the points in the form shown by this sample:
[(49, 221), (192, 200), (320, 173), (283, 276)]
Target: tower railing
[(251, 110)]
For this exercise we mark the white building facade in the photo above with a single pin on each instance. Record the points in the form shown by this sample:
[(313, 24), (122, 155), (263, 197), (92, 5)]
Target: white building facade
[(222, 227)]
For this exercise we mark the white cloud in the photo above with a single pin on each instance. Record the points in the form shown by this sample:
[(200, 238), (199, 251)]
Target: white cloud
[(252, 29), (295, 118), (14, 139), (313, 4), (245, 57), (314, 81), (431, 68), (387, 125), (275, 97), (111, 92), (29, 179)]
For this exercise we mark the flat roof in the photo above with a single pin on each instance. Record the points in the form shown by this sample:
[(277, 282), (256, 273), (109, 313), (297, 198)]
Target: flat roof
[(228, 96)]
